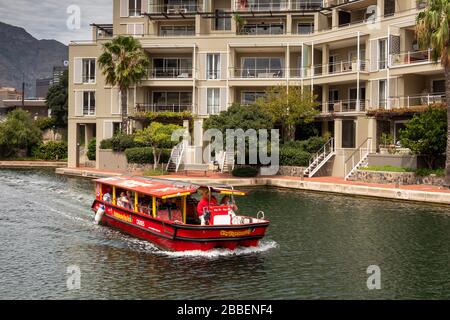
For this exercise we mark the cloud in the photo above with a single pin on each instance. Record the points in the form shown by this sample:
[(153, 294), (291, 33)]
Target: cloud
[(48, 19)]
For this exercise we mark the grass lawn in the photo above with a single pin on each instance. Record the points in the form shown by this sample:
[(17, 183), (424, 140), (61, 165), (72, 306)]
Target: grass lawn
[(420, 172)]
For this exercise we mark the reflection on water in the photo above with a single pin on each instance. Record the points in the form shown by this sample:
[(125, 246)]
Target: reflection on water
[(318, 246)]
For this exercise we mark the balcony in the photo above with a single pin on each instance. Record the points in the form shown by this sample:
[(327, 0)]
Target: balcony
[(411, 102), (333, 69), (305, 5), (143, 107), (177, 31), (410, 58), (254, 73), (171, 73), (347, 106), (262, 29), (175, 7), (260, 5)]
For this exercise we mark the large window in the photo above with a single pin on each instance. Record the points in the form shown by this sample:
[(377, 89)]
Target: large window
[(172, 68), (221, 21), (177, 31), (348, 134), (305, 28), (250, 97), (172, 100), (89, 103), (180, 6), (382, 53), (263, 29), (382, 94), (261, 67), (135, 7), (88, 70), (213, 100), (213, 66)]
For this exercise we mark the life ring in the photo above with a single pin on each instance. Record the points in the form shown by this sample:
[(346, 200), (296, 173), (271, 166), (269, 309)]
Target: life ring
[(260, 215)]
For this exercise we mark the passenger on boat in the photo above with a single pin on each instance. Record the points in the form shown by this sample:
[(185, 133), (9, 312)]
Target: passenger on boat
[(204, 204), (123, 201), (226, 201), (107, 196)]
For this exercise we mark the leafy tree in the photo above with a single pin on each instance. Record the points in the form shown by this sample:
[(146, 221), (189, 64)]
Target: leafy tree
[(289, 107), (92, 149), (158, 136), (432, 30), (18, 132), (239, 117), (124, 64), (426, 134), (57, 101)]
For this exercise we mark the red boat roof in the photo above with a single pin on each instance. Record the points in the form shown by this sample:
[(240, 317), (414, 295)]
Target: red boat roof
[(163, 188)]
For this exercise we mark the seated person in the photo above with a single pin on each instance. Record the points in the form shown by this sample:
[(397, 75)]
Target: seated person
[(226, 201), (123, 201), (204, 203), (107, 196)]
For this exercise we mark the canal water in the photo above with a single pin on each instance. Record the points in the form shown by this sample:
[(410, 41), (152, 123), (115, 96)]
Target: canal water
[(318, 246)]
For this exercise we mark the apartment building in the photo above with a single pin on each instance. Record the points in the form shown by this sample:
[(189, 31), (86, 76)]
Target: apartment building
[(357, 56)]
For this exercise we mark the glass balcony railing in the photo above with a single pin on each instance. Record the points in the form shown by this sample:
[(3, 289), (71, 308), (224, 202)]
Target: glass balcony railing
[(255, 73), (176, 7), (281, 5), (176, 107), (410, 57), (412, 101), (170, 73)]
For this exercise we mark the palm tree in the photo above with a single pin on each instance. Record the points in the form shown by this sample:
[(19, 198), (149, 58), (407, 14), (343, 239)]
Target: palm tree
[(124, 64), (432, 31)]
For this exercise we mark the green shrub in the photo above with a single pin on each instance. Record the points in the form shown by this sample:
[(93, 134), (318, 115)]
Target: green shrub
[(422, 172), (387, 169), (106, 144), (120, 142), (245, 172), (154, 172), (92, 149), (145, 155), (51, 150), (290, 156), (312, 145), (45, 123)]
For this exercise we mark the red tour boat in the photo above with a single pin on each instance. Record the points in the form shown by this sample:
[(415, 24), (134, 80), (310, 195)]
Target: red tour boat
[(165, 213)]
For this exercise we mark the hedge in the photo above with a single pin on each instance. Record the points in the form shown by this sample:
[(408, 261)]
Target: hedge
[(51, 151), (145, 155), (92, 149), (245, 172), (290, 156)]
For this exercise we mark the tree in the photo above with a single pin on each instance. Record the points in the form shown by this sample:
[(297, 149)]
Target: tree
[(289, 107), (239, 117), (426, 134), (18, 132), (124, 64), (57, 101), (158, 136), (432, 30)]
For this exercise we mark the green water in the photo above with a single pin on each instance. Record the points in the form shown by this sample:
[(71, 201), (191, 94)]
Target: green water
[(318, 246)]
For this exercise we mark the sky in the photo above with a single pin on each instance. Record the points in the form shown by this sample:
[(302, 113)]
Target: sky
[(48, 19)]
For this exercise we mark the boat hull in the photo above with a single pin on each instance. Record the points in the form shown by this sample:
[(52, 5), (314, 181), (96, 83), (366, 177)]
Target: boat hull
[(176, 236)]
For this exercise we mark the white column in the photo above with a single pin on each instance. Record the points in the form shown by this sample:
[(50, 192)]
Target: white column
[(358, 75)]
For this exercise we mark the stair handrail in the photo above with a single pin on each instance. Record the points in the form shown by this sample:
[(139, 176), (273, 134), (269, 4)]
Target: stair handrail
[(180, 157), (321, 151), (176, 148), (359, 150)]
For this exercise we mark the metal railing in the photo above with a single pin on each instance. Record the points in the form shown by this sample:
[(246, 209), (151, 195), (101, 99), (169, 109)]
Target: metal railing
[(409, 58), (254, 73), (170, 73), (260, 5), (261, 29), (357, 157), (148, 107), (337, 68), (180, 7), (412, 101), (320, 156), (307, 4), (350, 105)]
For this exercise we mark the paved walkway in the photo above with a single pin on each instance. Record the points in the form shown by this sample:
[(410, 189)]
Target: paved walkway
[(32, 164)]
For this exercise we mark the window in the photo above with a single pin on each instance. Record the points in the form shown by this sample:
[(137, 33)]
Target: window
[(117, 127), (305, 28), (89, 103), (175, 101), (262, 68), (382, 91), (177, 31), (221, 21), (348, 134), (135, 7), (382, 53), (438, 86), (88, 70), (213, 100), (172, 68), (213, 66), (249, 97)]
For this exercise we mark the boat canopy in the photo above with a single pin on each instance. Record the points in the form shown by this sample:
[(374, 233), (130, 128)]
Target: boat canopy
[(163, 188)]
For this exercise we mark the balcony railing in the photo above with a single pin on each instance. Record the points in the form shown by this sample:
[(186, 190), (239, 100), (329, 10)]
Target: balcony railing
[(265, 73), (412, 101), (177, 7), (178, 107), (306, 4), (261, 29), (260, 5), (170, 73), (338, 68), (350, 105), (410, 57)]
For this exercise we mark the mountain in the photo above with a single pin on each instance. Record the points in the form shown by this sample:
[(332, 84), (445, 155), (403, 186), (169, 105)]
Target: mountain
[(22, 54)]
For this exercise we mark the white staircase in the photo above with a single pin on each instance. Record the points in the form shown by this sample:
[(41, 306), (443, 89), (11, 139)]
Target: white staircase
[(226, 160), (358, 158), (318, 160), (176, 157)]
